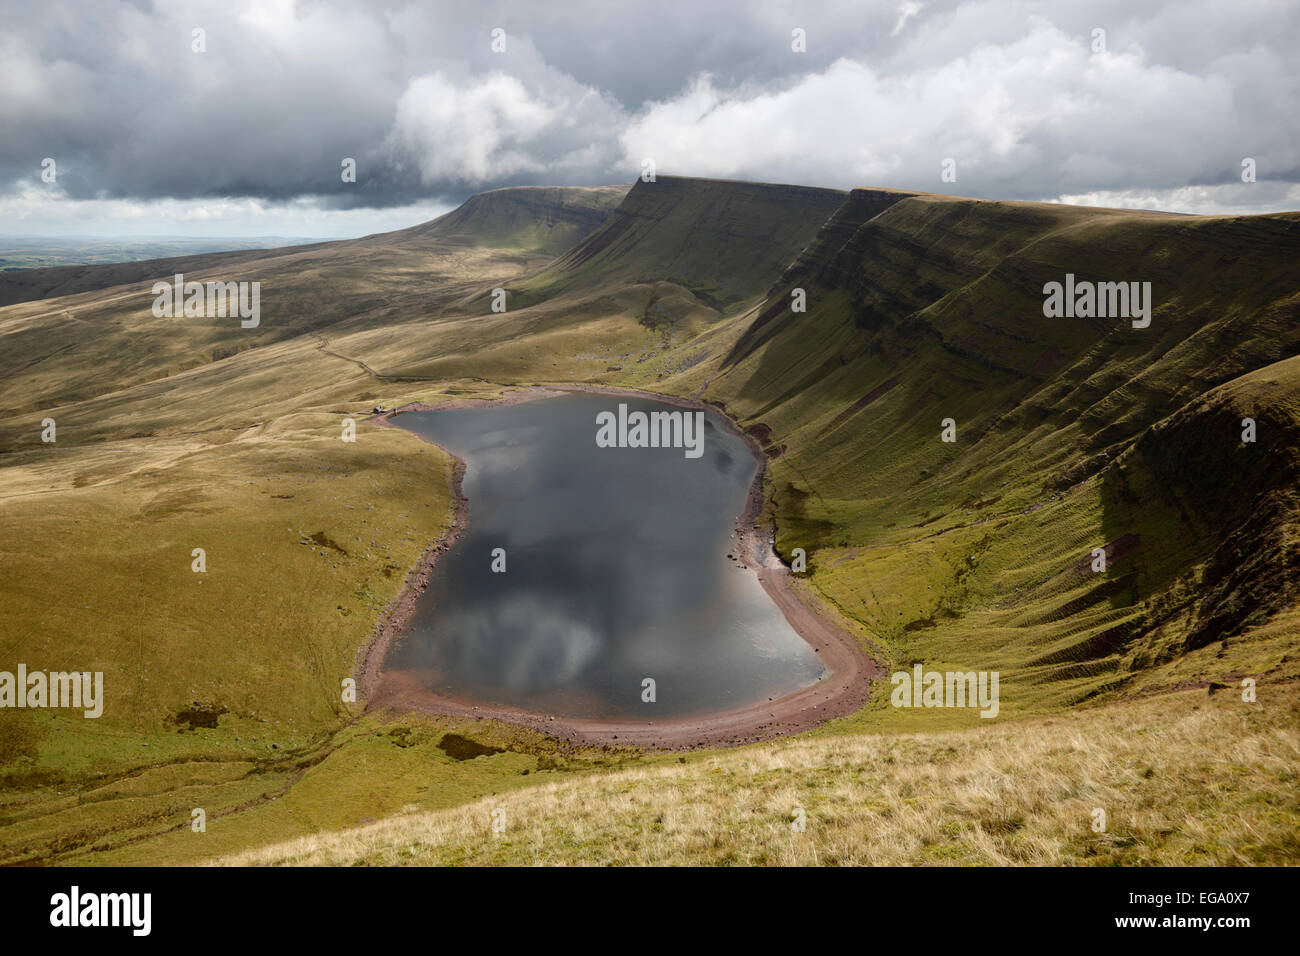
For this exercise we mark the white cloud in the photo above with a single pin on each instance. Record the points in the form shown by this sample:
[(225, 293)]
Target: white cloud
[(33, 208), (906, 10), (1228, 199), (494, 127), (1007, 88), (1036, 115), (469, 133)]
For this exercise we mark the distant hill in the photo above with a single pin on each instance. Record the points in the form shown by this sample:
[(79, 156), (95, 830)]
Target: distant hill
[(721, 240), (101, 336), (540, 220), (544, 219), (40, 252), (29, 285)]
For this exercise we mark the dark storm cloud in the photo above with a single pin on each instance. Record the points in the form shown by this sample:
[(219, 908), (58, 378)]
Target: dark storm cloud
[(1012, 91)]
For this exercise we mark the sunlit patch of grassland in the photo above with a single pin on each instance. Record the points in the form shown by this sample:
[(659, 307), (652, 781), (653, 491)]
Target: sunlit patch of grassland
[(307, 539), (1183, 779)]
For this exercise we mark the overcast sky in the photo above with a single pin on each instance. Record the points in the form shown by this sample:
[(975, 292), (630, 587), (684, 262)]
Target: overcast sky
[(248, 136)]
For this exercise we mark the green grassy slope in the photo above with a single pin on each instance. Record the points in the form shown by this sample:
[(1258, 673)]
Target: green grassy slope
[(1072, 434), (223, 688), (72, 348), (545, 219), (671, 258), (720, 240)]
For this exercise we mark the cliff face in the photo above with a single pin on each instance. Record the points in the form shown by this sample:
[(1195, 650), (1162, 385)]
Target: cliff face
[(956, 286), (829, 260), (1071, 433), (723, 241)]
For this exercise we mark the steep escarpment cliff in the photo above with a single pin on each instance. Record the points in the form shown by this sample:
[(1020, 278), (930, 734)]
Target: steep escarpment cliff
[(723, 241), (930, 421)]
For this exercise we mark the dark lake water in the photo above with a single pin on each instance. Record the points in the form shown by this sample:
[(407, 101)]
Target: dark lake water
[(616, 571)]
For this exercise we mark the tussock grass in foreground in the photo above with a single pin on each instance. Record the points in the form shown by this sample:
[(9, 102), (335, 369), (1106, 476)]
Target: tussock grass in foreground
[(1182, 779)]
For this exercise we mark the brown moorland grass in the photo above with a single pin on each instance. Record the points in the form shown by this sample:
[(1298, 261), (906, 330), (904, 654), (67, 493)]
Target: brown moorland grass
[(1183, 779)]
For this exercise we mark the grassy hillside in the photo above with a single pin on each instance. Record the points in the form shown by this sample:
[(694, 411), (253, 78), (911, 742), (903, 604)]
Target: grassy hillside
[(523, 219), (545, 219), (721, 241), (1072, 434), (1183, 781), (72, 348), (28, 285), (223, 688)]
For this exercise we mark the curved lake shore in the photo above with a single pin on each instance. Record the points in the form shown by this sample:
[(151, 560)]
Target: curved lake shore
[(843, 689)]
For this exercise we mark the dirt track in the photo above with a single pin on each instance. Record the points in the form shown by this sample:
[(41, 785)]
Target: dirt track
[(843, 691)]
